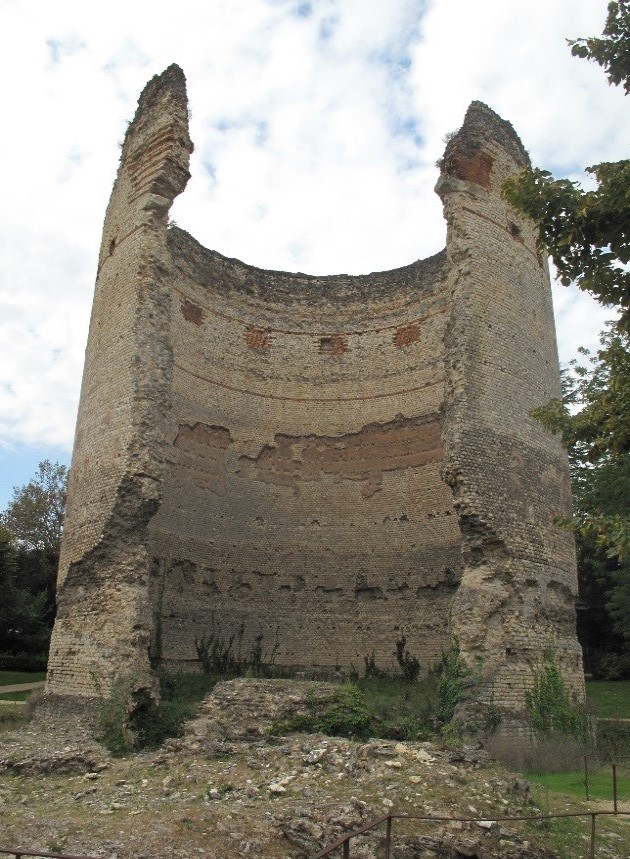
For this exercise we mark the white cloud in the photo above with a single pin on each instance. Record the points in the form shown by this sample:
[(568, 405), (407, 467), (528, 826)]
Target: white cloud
[(316, 125)]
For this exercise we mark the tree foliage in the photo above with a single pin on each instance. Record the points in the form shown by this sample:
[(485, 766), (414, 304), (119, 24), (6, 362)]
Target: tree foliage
[(593, 420), (30, 532), (25, 616), (34, 516), (612, 50), (587, 233)]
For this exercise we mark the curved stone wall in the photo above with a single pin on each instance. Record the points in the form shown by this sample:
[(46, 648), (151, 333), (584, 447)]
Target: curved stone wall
[(303, 498), (316, 466)]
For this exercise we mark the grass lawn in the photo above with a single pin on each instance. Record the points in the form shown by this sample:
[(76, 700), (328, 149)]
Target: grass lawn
[(11, 678), (572, 784), (15, 696), (610, 697)]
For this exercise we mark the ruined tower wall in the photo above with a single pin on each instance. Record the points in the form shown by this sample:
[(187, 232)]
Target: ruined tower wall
[(114, 488), (303, 496), (328, 462), (509, 476)]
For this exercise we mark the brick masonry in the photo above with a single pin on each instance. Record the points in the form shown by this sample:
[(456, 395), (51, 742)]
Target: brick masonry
[(326, 461)]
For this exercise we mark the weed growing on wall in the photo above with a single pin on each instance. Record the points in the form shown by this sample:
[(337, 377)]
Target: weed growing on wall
[(453, 673), (372, 671), (409, 665), (224, 656), (217, 655), (549, 706), (112, 727)]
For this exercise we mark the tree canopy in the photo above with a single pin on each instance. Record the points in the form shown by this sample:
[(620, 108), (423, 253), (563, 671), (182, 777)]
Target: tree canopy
[(30, 533), (611, 50), (34, 516), (587, 233)]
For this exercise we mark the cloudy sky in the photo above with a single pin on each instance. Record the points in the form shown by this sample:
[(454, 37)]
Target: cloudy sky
[(317, 126)]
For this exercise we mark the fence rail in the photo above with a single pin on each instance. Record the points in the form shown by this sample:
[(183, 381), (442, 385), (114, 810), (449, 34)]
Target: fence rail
[(18, 853), (343, 843), (588, 770)]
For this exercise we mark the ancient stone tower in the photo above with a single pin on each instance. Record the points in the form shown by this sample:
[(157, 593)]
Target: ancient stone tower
[(327, 461)]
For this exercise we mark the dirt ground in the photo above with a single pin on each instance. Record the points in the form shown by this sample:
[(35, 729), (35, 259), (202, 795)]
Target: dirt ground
[(228, 789)]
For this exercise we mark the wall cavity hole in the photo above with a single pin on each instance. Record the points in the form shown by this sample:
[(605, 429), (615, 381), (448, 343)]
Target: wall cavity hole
[(333, 345)]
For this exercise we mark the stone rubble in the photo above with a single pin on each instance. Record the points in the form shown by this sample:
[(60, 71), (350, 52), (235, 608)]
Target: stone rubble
[(227, 788)]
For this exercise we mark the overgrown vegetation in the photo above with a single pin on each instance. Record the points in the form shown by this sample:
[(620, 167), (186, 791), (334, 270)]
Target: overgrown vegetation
[(586, 233), (344, 714), (127, 722), (609, 700), (409, 665), (453, 674), (400, 710), (549, 706), (224, 656)]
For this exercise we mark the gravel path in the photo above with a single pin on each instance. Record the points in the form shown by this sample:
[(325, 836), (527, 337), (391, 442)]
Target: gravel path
[(21, 687)]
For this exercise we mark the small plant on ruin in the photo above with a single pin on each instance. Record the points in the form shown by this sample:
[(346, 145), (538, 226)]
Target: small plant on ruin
[(130, 719), (258, 663), (216, 654), (549, 706), (112, 724), (343, 714), (452, 684), (223, 657), (409, 665), (371, 668)]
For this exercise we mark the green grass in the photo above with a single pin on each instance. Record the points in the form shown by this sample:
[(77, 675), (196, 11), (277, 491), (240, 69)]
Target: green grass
[(569, 837), (611, 698), (12, 678), (11, 716), (572, 784)]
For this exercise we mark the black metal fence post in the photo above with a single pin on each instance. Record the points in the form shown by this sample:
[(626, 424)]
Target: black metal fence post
[(614, 774), (592, 853), (388, 837), (586, 775)]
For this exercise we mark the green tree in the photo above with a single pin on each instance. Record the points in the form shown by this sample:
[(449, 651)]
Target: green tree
[(604, 577), (34, 516), (587, 233), (24, 625), (593, 420), (612, 50), (30, 533)]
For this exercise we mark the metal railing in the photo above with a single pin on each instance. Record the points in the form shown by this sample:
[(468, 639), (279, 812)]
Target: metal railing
[(588, 772), (343, 843), (18, 853)]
